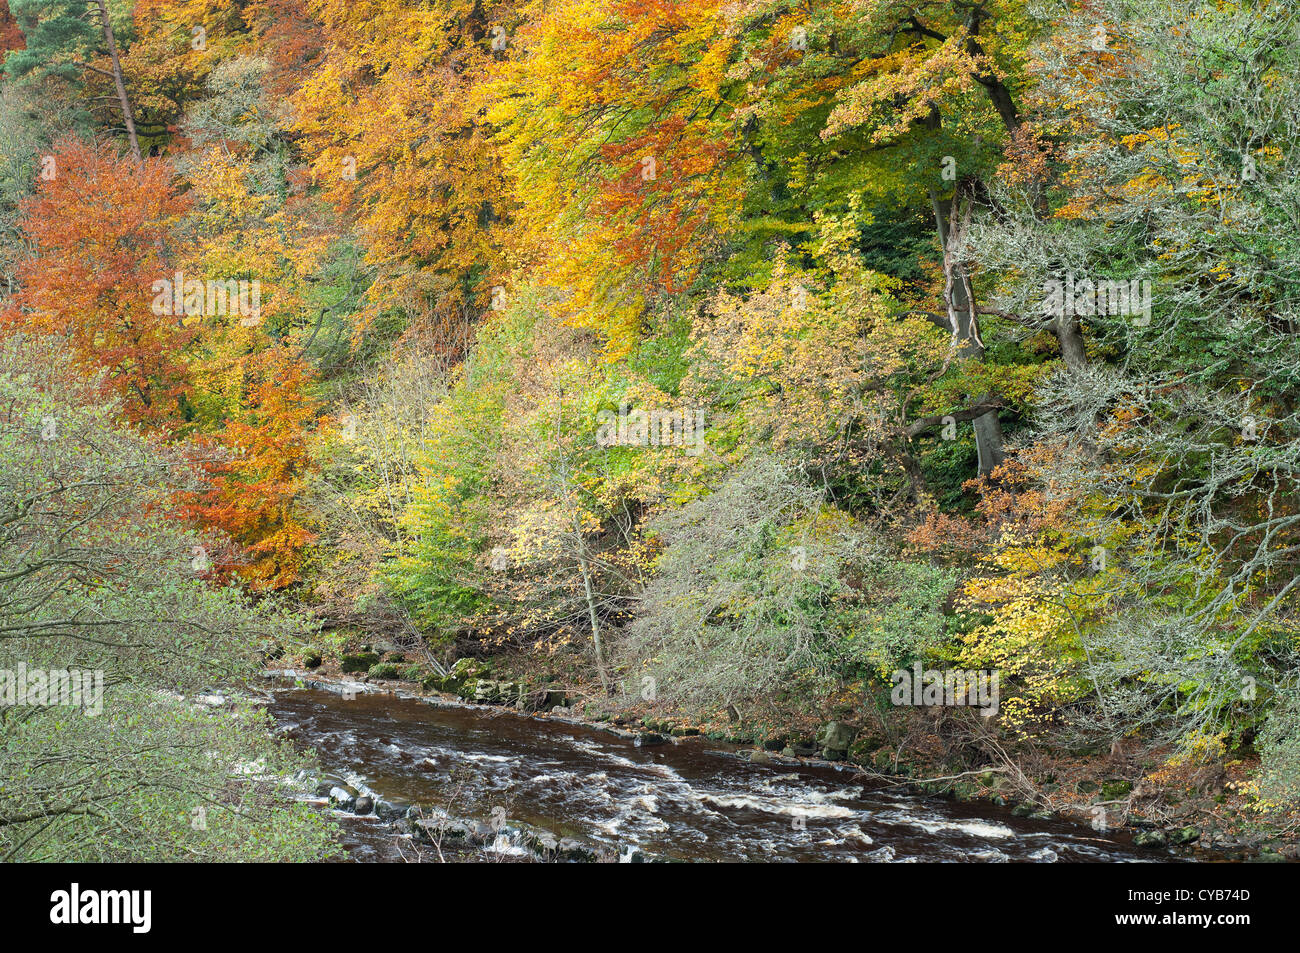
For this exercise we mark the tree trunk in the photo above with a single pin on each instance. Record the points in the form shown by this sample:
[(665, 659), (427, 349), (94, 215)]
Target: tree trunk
[(595, 618), (107, 26), (962, 321), (1070, 336)]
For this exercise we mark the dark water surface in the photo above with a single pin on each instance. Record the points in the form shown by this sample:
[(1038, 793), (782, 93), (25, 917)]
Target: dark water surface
[(682, 801)]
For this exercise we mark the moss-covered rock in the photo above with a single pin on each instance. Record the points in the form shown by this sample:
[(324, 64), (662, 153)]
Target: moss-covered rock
[(360, 662), (835, 740), (462, 676), (1116, 789), (862, 749), (469, 668), (489, 691), (1151, 839), (1266, 857), (383, 670), (965, 790)]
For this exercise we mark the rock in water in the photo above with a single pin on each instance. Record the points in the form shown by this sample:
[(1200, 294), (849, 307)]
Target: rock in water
[(343, 797), (1151, 839)]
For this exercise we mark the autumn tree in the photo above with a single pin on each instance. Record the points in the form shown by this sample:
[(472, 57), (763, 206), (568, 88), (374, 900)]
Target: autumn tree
[(98, 227), (257, 468), (394, 137)]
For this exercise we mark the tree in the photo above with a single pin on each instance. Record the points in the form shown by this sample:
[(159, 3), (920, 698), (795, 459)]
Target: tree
[(98, 577), (390, 126), (61, 35), (1176, 453), (98, 229), (258, 468)]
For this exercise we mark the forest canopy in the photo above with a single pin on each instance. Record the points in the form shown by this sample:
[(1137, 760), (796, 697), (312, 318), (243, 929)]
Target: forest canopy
[(712, 359)]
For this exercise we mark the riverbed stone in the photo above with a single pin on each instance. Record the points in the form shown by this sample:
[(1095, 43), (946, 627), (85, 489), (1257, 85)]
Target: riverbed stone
[(442, 830), (326, 782), (391, 810), (363, 805), (343, 797), (574, 851), (1151, 839)]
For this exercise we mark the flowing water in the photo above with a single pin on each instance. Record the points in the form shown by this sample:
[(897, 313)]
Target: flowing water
[(686, 801)]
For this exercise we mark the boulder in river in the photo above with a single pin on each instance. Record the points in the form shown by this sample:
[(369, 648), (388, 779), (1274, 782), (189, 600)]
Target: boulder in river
[(343, 797), (326, 783), (442, 830), (391, 810), (363, 805), (573, 850), (1151, 839)]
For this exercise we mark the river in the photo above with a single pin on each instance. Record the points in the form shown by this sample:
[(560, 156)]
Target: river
[(689, 801)]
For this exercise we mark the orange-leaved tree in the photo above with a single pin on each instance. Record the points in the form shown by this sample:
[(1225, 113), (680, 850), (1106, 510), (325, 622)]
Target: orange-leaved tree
[(97, 226), (256, 468)]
